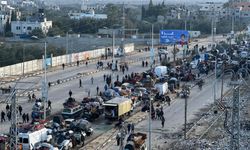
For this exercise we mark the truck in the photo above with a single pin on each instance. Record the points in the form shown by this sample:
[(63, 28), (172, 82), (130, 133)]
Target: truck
[(33, 134), (136, 141), (117, 107)]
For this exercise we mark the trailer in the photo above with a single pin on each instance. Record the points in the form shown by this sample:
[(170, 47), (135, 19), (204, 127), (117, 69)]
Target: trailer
[(117, 108), (136, 141)]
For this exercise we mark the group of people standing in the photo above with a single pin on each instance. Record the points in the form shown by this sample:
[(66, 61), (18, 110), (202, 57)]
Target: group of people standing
[(122, 133), (25, 116)]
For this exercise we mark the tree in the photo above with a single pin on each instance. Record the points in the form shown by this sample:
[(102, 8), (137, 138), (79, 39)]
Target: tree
[(37, 32), (54, 31), (114, 14)]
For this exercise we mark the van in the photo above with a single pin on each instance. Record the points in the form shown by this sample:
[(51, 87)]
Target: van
[(160, 71), (28, 139)]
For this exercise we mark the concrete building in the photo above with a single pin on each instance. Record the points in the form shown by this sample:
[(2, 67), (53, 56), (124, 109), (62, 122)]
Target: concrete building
[(38, 21), (212, 9), (82, 15), (5, 15), (242, 10)]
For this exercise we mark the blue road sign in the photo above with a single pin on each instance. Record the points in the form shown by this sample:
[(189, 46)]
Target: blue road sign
[(174, 37)]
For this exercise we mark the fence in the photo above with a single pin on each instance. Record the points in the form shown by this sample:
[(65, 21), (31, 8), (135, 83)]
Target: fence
[(36, 65)]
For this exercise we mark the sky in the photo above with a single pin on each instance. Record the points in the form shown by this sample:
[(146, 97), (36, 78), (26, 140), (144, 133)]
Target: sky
[(129, 1)]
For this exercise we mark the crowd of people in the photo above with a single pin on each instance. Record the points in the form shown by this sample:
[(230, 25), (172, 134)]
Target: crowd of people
[(25, 116)]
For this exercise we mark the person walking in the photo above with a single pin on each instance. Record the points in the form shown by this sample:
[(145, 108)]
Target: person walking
[(123, 69), (142, 63), (27, 117), (20, 109), (92, 80), (80, 83), (70, 93), (9, 115), (129, 128), (7, 107), (29, 98), (117, 77), (89, 93), (49, 104), (162, 121), (132, 127), (118, 138), (63, 65), (146, 63), (2, 116), (86, 63), (104, 77), (24, 117), (97, 90)]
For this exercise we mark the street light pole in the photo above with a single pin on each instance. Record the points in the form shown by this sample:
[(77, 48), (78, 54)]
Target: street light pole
[(152, 48), (185, 114), (23, 59), (149, 123), (45, 90), (215, 79)]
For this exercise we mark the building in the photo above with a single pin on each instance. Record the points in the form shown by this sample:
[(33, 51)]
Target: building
[(38, 21), (82, 15), (212, 9), (5, 15), (242, 10)]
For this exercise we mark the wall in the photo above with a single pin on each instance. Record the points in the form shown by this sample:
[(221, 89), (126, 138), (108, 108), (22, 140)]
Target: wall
[(36, 65)]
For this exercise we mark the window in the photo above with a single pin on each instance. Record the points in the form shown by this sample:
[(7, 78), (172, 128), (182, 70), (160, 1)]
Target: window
[(66, 110), (28, 28), (18, 27), (25, 140)]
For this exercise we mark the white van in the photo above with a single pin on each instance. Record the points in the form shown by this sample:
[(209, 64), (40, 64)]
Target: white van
[(160, 71), (30, 138)]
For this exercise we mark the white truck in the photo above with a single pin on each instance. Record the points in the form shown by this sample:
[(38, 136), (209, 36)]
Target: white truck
[(28, 139)]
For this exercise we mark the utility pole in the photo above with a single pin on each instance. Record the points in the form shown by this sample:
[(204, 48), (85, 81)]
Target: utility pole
[(185, 113), (45, 89), (232, 32), (67, 47), (152, 53), (14, 118), (123, 34), (149, 122), (215, 79), (113, 44), (23, 59), (235, 128), (185, 15)]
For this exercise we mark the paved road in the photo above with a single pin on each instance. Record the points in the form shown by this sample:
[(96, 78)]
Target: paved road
[(174, 115), (59, 93)]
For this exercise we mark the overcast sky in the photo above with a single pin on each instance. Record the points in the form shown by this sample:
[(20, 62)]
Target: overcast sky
[(130, 1)]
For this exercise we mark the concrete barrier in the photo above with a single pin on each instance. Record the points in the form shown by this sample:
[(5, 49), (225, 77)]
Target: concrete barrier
[(36, 65)]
